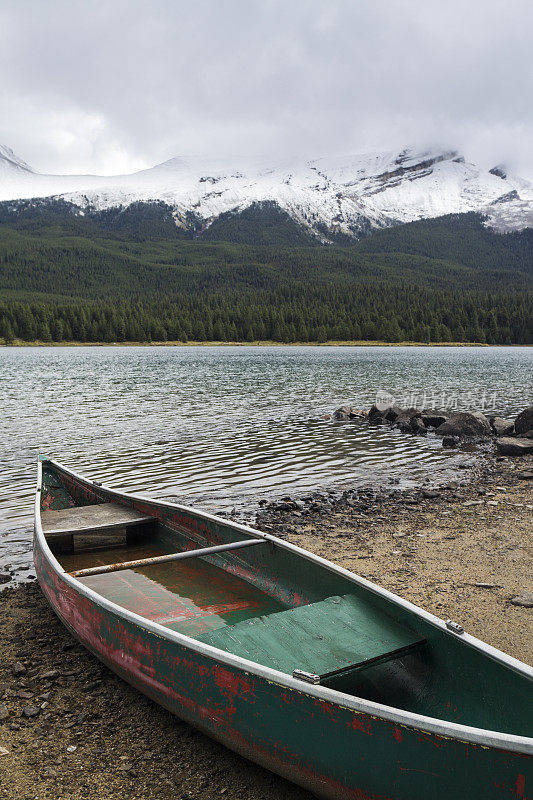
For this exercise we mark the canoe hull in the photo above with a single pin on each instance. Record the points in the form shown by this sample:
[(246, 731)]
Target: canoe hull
[(333, 751)]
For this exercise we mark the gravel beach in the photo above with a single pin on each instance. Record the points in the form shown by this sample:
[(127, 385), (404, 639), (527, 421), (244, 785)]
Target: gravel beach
[(70, 729)]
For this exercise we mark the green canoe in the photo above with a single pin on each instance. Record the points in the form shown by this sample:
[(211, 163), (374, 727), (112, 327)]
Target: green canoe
[(294, 662)]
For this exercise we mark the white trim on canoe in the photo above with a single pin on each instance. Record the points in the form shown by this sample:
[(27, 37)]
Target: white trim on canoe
[(450, 730)]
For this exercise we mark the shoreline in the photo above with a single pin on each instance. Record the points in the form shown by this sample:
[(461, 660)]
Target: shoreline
[(460, 550), (267, 343)]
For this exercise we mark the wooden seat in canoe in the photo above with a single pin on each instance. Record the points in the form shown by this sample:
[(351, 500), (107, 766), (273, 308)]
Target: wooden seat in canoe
[(318, 641), (104, 523)]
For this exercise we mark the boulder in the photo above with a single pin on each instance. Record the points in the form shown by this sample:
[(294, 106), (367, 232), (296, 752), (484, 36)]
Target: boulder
[(381, 413), (408, 420), (392, 413), (417, 426), (501, 427), (342, 413), (347, 412), (403, 414), (465, 423), (375, 414), (524, 421), (450, 441), (514, 447), (404, 426), (432, 419)]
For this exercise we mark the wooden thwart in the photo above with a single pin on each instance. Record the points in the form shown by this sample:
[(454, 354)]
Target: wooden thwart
[(90, 519), (320, 640), (144, 562)]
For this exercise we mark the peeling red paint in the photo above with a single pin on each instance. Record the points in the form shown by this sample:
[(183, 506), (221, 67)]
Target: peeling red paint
[(427, 737), (362, 723), (226, 680), (229, 704), (397, 735)]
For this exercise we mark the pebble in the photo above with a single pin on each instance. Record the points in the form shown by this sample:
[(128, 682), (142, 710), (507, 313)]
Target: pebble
[(488, 585), (4, 712), (48, 772), (18, 668), (525, 599), (72, 748), (90, 686), (50, 675), (3, 751), (31, 711), (525, 476)]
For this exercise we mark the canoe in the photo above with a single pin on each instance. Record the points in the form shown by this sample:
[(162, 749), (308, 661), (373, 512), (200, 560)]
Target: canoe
[(297, 664)]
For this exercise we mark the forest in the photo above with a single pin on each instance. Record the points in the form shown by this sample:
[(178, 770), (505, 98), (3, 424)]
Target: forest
[(112, 277)]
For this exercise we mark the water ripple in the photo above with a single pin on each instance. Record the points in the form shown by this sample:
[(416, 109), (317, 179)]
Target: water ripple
[(225, 427)]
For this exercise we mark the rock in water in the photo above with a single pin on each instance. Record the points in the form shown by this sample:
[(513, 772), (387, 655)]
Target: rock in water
[(525, 600), (342, 413), (450, 441), (524, 421), (514, 447), (417, 425), (432, 419), (465, 423), (502, 427), (389, 413), (375, 413), (347, 412)]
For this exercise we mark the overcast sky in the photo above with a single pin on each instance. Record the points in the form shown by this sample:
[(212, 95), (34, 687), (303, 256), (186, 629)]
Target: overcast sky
[(115, 86)]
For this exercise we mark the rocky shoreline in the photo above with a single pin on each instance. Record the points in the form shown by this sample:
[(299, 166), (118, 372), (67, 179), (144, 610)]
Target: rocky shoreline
[(513, 437), (71, 730)]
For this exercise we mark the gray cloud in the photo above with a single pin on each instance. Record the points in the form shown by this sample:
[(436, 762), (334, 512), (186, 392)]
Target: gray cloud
[(118, 85)]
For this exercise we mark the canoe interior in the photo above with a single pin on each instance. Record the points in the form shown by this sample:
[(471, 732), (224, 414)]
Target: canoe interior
[(276, 608)]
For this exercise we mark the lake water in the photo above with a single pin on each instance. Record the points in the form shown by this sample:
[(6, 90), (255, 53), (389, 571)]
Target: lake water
[(224, 427)]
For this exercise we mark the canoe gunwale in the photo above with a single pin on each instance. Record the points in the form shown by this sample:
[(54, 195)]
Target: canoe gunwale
[(418, 722)]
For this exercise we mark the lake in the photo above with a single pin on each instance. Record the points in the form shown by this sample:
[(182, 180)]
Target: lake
[(224, 427)]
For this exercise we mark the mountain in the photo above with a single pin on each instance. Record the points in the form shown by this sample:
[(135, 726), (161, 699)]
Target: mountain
[(324, 200)]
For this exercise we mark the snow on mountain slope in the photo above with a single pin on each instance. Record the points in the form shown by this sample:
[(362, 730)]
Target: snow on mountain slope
[(10, 163), (329, 195)]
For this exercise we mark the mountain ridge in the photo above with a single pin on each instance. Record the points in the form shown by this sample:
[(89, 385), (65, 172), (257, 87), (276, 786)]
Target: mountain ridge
[(328, 198)]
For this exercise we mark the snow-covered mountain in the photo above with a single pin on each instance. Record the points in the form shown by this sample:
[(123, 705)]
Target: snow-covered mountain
[(349, 195)]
